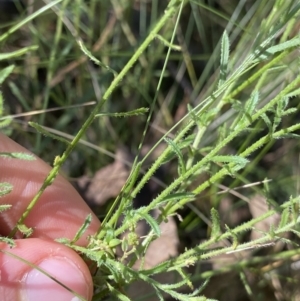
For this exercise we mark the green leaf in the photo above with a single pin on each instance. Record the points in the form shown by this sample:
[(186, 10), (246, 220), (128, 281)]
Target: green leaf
[(94, 59), (289, 111), (287, 136), (181, 145), (4, 73), (21, 96), (296, 92), (204, 118), (237, 160), (9, 241), (187, 297), (225, 45), (5, 188), (234, 236), (114, 242), (139, 111), (117, 293), (281, 105), (132, 179), (187, 141), (5, 121), (83, 228), (192, 114), (178, 196), (4, 207), (21, 156), (295, 42), (167, 43), (186, 278), (25, 230), (285, 217), (19, 52), (43, 131), (267, 121), (251, 105), (150, 220), (215, 228), (172, 286), (64, 241), (177, 151)]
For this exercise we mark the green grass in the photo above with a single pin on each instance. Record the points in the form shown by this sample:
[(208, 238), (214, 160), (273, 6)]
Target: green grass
[(220, 81)]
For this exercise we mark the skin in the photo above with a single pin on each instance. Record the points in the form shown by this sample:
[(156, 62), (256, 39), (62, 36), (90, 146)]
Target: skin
[(59, 213)]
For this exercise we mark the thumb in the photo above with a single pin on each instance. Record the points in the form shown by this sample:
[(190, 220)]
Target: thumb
[(37, 269)]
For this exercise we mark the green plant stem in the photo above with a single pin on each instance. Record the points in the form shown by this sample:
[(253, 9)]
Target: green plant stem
[(258, 74), (208, 158), (224, 171), (249, 63), (169, 12), (199, 253), (247, 263), (124, 203), (194, 169), (220, 174)]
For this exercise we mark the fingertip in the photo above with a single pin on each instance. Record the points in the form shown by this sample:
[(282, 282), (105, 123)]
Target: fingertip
[(43, 270)]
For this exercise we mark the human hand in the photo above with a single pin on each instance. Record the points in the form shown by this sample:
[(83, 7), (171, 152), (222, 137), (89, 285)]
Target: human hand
[(59, 213)]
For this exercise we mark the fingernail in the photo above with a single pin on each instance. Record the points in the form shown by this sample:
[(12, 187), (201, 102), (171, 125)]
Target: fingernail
[(38, 286)]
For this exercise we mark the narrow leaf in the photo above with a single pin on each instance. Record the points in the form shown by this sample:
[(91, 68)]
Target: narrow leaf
[(177, 151), (133, 178), (4, 207), (178, 196), (139, 111), (5, 122), (186, 278), (246, 112), (11, 242), (186, 141), (83, 228), (295, 42), (289, 136), (21, 156), (43, 131), (64, 241), (285, 216), (267, 121), (225, 45), (193, 115), (4, 73), (231, 159), (295, 232), (13, 54), (167, 43), (235, 241), (151, 221), (215, 228), (251, 103), (289, 111), (21, 97), (177, 285), (181, 145), (25, 230), (114, 242), (117, 293), (94, 59), (5, 188)]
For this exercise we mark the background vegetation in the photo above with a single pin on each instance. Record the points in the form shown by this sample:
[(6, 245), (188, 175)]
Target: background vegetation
[(220, 80)]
